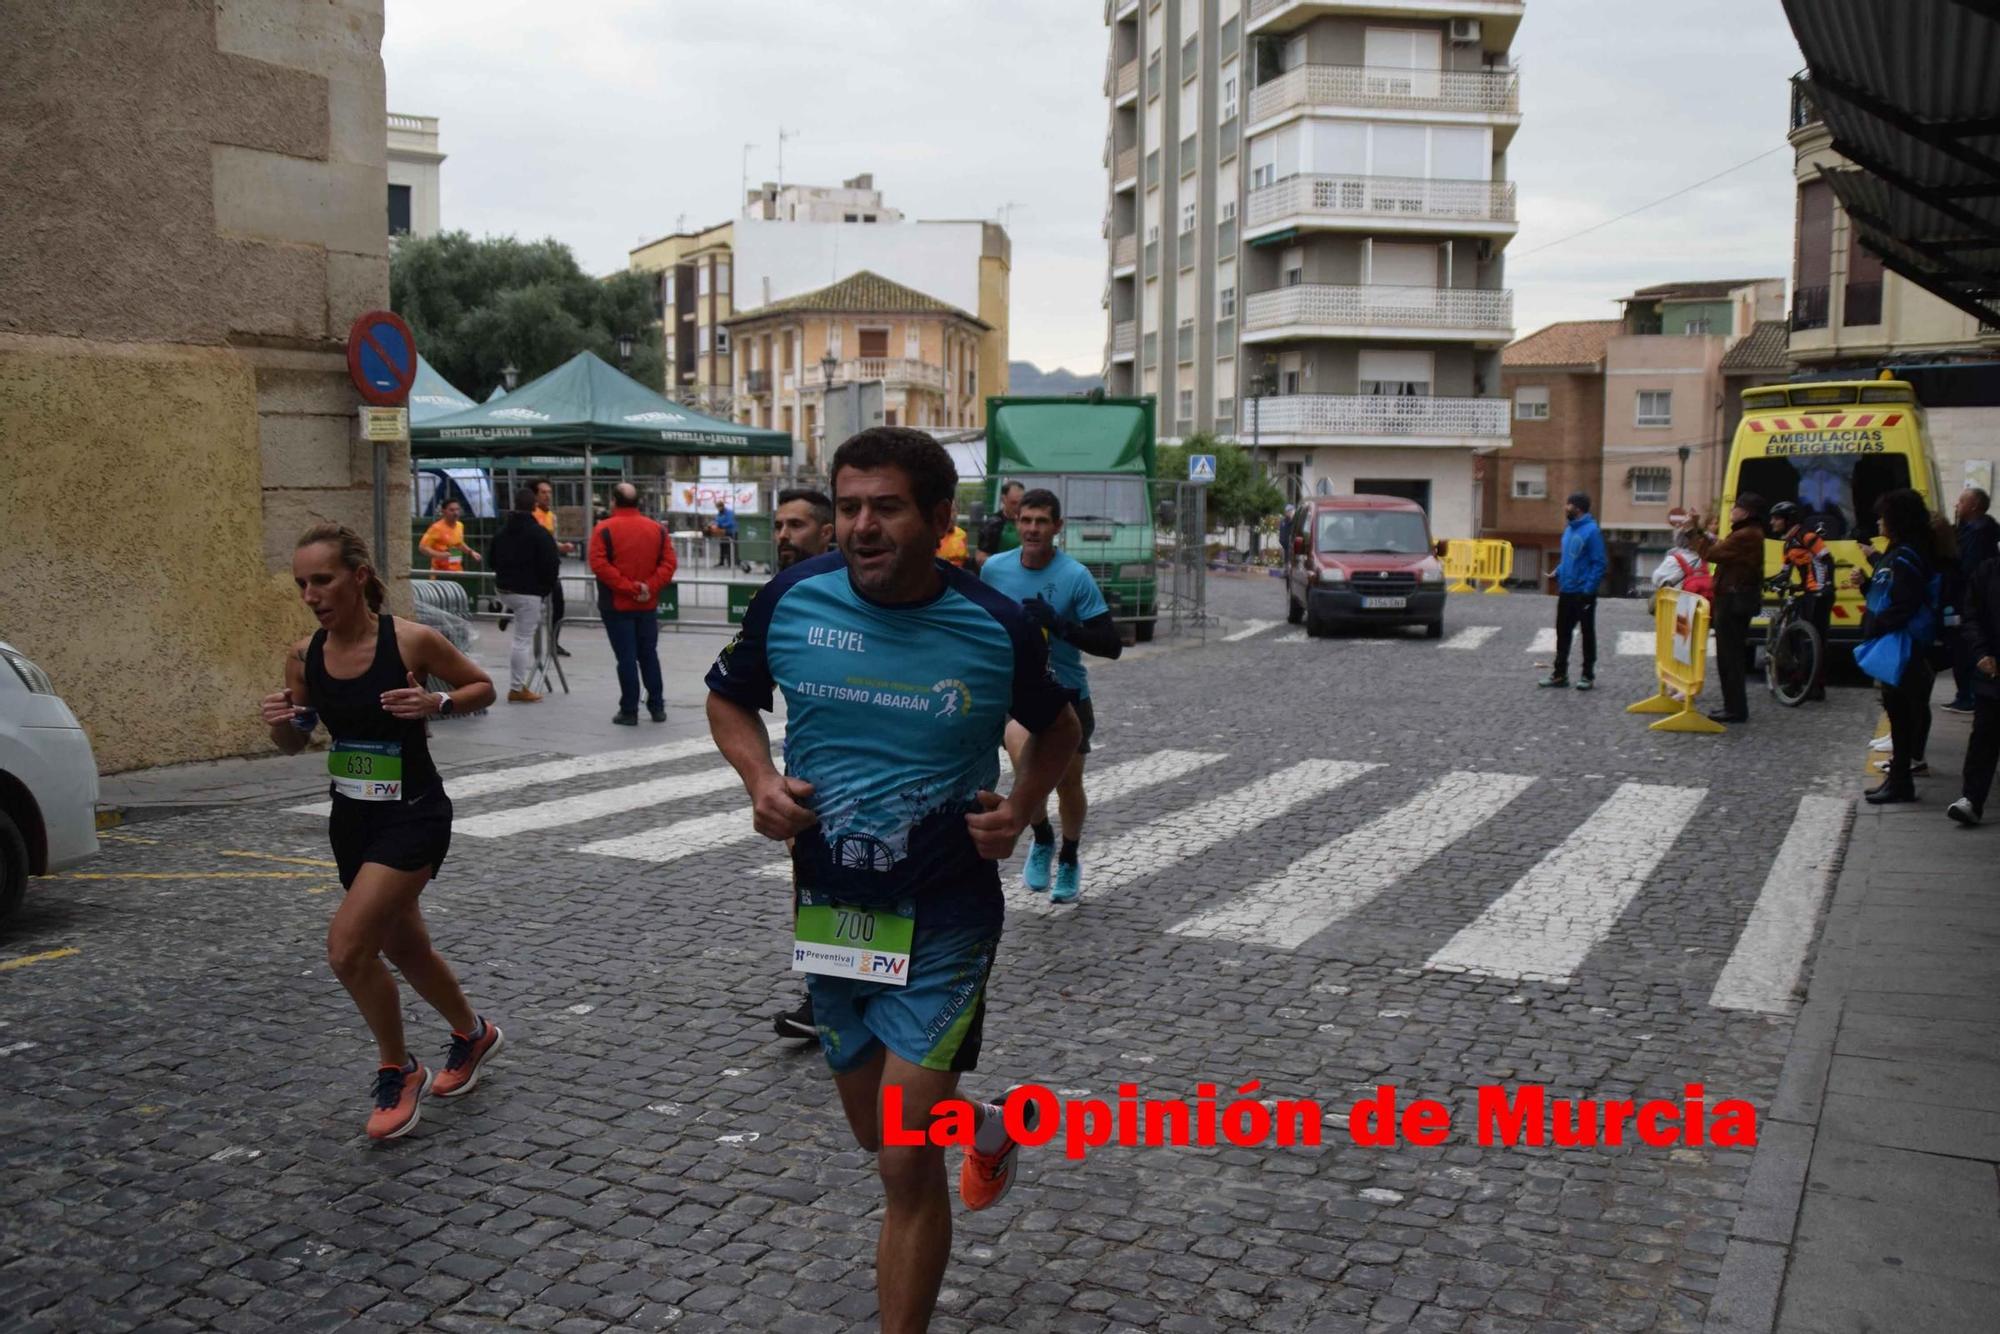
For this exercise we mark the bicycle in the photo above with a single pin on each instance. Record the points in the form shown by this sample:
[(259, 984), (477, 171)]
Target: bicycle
[(1794, 649)]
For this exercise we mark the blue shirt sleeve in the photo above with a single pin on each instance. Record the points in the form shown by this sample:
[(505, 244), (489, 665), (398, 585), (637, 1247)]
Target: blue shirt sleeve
[(1038, 698), (1086, 599), (742, 671)]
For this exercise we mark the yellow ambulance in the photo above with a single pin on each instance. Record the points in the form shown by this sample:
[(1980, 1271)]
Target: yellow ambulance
[(1834, 447)]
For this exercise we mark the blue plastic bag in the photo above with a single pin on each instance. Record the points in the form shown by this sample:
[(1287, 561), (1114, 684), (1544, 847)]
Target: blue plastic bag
[(1885, 656)]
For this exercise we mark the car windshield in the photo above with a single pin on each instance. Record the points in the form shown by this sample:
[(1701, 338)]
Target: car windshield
[(1837, 491), (1095, 499), (1385, 532)]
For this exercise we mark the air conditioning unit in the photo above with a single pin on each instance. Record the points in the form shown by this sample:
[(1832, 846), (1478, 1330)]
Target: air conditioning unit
[(1465, 31)]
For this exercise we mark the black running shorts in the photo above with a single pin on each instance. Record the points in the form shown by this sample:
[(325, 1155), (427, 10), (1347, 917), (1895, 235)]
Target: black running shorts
[(1088, 717), (401, 835)]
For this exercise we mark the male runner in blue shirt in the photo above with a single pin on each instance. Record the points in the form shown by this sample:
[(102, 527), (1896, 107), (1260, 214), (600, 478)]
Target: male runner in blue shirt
[(900, 673), (1059, 595)]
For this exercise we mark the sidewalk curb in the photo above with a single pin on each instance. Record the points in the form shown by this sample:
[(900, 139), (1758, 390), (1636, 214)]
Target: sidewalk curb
[(1759, 1250)]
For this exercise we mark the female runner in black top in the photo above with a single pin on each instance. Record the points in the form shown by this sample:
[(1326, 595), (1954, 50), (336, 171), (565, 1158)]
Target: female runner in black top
[(361, 673)]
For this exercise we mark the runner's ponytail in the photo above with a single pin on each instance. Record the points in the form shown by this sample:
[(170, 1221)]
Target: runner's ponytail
[(353, 554)]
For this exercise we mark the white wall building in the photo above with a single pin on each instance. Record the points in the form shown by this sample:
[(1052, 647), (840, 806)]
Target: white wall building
[(413, 175), (778, 260), (855, 200)]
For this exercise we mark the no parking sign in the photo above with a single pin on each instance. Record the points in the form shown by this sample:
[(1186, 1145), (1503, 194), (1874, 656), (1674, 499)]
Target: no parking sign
[(382, 358)]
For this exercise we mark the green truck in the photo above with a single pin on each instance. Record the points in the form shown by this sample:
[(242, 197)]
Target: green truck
[(1097, 455)]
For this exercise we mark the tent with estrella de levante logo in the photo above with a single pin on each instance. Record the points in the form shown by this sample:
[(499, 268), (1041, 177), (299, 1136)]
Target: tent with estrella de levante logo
[(584, 406)]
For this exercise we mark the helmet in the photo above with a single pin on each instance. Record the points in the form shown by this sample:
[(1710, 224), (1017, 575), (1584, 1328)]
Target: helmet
[(1786, 512)]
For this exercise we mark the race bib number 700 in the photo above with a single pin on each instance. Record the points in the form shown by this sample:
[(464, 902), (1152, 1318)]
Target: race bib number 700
[(842, 940)]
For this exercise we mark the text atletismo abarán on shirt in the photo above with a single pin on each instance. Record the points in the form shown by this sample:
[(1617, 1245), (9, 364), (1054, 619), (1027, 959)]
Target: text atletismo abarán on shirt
[(895, 715)]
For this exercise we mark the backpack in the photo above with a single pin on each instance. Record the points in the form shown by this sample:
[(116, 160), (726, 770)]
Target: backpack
[(1695, 577)]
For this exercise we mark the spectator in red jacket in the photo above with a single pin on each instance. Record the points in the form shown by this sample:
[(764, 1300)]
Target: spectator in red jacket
[(633, 560)]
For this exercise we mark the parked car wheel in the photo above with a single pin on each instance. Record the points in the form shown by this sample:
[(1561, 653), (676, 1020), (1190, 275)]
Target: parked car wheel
[(13, 866), (1316, 626), (1142, 632), (1294, 613), (1434, 630)]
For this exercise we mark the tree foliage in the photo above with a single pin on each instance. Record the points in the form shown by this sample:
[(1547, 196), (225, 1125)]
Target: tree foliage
[(1237, 495), (475, 306)]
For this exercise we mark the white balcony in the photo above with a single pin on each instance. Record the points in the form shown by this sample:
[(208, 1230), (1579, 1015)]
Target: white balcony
[(1485, 96), (1318, 310), (1125, 170), (1124, 340), (1125, 84), (1498, 19), (1124, 253), (1377, 204), (894, 372), (1377, 419)]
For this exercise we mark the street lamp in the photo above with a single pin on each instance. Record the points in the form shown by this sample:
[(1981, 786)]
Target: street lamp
[(625, 341), (1684, 452), (510, 377), (828, 366)]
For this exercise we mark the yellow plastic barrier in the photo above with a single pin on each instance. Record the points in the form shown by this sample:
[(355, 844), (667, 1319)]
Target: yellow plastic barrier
[(1680, 660), (1461, 562), (1495, 564)]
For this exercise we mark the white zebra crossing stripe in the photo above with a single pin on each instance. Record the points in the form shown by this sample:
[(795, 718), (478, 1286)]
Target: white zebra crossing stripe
[(1544, 641), (1635, 643), (594, 805), (1547, 923), (1249, 628), (1471, 637), (1344, 876), (684, 838), (1190, 832), (1764, 967), (489, 781), (1109, 785), (1295, 637)]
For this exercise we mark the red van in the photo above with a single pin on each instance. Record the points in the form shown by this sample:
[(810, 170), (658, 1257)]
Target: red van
[(1362, 560)]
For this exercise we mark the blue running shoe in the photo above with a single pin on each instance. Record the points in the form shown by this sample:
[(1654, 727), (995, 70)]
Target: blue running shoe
[(1069, 882), (1035, 875)]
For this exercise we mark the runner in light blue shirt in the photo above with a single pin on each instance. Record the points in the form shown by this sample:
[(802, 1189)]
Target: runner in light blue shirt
[(1059, 595)]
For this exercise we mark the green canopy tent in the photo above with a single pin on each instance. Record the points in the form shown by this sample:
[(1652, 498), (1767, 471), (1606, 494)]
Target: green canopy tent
[(582, 407), (432, 396)]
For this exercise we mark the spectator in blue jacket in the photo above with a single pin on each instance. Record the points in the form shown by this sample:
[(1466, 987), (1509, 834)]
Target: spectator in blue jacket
[(1577, 577)]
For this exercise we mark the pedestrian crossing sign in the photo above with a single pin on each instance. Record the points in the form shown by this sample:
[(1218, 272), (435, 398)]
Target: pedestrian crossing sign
[(1201, 467)]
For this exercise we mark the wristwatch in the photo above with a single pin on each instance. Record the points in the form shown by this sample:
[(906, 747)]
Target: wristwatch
[(445, 704)]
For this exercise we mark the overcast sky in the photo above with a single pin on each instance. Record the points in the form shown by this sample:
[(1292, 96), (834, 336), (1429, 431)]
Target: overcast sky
[(607, 122)]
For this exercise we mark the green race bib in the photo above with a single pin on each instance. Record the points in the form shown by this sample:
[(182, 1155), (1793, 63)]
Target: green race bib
[(367, 770), (842, 940)]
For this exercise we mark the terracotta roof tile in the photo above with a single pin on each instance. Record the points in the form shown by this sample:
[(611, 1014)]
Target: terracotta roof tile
[(1765, 348), (1570, 343), (1695, 291), (860, 293)]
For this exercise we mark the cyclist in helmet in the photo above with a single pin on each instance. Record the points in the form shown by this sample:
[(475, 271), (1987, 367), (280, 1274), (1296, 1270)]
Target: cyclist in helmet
[(1807, 555)]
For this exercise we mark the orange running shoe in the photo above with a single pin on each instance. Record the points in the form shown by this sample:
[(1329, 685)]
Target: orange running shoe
[(985, 1178), (461, 1067), (397, 1093)]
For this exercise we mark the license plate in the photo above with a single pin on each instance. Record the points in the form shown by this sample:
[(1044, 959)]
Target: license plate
[(1383, 604)]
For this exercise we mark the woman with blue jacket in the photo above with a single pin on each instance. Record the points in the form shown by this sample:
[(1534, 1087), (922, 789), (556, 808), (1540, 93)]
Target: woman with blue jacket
[(1907, 565)]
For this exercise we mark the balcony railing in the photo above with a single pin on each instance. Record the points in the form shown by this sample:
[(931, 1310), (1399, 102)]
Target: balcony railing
[(1809, 307), (1152, 259), (1124, 338), (1804, 110), (1125, 251), (1127, 81), (1378, 415), (1190, 154), (1190, 249), (1127, 167), (890, 370), (1184, 343), (1225, 147), (1863, 304), (1316, 305), (1494, 92), (757, 382), (1259, 9), (1378, 197)]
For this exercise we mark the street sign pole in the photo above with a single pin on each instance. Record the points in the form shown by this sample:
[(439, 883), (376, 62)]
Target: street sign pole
[(382, 362)]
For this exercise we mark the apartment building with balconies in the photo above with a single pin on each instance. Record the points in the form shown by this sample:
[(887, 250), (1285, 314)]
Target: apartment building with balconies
[(1320, 269)]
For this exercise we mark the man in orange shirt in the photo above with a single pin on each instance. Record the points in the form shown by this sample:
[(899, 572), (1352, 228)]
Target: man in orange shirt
[(545, 515), (445, 541), (634, 562), (953, 547)]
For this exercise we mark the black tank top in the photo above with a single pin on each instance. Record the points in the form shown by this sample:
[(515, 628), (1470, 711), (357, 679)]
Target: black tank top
[(352, 708)]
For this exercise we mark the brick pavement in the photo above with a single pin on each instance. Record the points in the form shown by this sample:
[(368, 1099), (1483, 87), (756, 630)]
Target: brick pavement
[(182, 1141)]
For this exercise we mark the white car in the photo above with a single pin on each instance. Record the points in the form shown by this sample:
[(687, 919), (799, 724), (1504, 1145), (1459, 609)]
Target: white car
[(48, 780)]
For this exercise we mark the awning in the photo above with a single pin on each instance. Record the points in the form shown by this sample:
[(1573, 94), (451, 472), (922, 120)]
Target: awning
[(1909, 93), (432, 396), (587, 404)]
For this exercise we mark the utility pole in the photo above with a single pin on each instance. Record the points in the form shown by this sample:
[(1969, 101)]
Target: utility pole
[(1684, 452)]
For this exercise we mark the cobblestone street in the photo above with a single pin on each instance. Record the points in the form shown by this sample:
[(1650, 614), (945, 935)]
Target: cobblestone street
[(1323, 865)]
